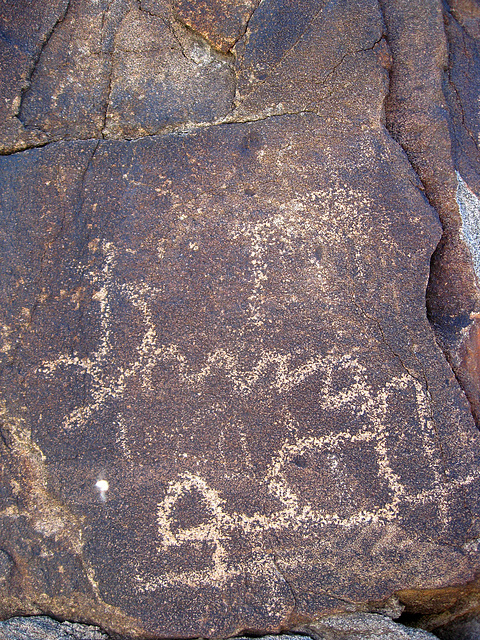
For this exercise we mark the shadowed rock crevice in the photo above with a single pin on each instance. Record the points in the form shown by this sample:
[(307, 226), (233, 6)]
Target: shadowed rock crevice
[(437, 610), (418, 119), (462, 22)]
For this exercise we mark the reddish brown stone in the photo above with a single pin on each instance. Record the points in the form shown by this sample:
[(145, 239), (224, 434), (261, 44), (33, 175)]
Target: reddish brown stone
[(418, 117), (224, 408), (221, 22)]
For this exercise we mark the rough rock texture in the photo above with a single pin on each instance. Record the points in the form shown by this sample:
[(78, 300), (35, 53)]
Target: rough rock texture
[(418, 118), (43, 628), (224, 408), (461, 88), (350, 627), (364, 626), (461, 630)]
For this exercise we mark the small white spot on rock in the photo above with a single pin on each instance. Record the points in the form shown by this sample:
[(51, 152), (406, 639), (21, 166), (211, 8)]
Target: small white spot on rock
[(102, 486)]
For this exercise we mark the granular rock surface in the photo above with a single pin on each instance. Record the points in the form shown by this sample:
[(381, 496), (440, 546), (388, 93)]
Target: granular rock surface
[(224, 407), (43, 628), (350, 627)]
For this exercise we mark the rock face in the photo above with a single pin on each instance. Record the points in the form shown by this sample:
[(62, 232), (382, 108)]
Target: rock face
[(224, 407), (364, 626), (43, 628), (350, 627)]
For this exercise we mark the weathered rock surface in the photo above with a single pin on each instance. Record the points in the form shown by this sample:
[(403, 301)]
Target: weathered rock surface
[(224, 408), (43, 628), (460, 630), (350, 627), (418, 117), (364, 626)]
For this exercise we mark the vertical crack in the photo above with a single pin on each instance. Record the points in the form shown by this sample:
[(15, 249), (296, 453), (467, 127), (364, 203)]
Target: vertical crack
[(36, 59), (103, 128), (245, 33), (286, 581), (418, 121), (391, 125), (47, 247), (171, 27), (247, 23), (85, 235), (459, 104), (111, 54), (451, 294)]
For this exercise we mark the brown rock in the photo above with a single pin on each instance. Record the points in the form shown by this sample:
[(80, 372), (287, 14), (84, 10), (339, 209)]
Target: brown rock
[(224, 408), (462, 26), (423, 106), (221, 22), (26, 31), (163, 76)]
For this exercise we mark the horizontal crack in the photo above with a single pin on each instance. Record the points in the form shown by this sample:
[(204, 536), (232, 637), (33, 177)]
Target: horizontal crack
[(182, 128)]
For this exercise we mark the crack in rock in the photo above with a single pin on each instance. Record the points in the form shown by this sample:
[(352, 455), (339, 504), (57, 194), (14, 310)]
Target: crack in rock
[(37, 58)]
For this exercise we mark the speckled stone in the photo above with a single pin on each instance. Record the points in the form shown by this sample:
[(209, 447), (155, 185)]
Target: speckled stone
[(224, 409), (351, 627), (365, 626), (43, 628)]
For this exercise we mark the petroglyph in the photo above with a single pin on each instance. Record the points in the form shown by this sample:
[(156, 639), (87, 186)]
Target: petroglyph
[(364, 407), (227, 411), (272, 365), (282, 230), (297, 513)]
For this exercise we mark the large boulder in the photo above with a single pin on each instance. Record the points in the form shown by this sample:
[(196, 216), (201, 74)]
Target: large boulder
[(224, 408)]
